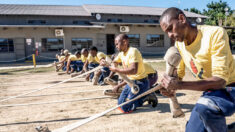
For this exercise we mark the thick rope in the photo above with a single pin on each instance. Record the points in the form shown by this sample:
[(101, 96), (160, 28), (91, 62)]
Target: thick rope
[(53, 102), (16, 60), (86, 91), (82, 122), (97, 68)]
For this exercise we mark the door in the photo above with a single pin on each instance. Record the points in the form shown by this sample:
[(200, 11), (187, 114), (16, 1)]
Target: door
[(110, 44), (29, 47)]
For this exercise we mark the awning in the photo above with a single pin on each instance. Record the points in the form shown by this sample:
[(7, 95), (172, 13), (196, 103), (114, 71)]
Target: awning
[(56, 26)]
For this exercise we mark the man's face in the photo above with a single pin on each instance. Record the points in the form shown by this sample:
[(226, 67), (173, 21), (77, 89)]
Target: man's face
[(85, 53), (78, 55), (120, 44), (93, 53), (175, 28)]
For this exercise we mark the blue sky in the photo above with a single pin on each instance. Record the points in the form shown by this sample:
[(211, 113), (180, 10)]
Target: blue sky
[(199, 4)]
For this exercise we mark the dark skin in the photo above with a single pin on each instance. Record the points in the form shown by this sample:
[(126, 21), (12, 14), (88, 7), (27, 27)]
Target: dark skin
[(181, 30), (123, 46), (85, 53), (68, 64)]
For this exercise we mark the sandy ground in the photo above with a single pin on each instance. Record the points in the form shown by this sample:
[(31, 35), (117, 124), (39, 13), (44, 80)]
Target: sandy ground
[(26, 118)]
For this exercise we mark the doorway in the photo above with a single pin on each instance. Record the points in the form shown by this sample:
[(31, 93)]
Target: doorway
[(110, 43)]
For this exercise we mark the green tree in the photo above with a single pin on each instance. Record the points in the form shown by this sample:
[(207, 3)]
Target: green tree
[(194, 10), (216, 12)]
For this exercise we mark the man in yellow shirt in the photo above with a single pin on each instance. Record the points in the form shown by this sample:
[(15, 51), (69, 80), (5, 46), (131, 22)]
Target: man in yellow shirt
[(74, 63), (133, 66), (63, 60), (205, 52), (93, 60)]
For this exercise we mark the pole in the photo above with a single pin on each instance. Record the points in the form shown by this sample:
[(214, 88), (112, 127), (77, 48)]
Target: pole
[(34, 61)]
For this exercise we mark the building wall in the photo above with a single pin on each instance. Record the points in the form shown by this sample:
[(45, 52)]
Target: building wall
[(98, 36)]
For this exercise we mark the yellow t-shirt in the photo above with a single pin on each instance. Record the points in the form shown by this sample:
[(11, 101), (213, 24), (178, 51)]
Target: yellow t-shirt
[(209, 55), (83, 58), (148, 68), (132, 56), (74, 58), (61, 58), (97, 58)]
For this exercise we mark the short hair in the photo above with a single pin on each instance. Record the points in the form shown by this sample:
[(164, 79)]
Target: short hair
[(173, 12), (77, 53), (122, 37), (94, 48), (84, 49)]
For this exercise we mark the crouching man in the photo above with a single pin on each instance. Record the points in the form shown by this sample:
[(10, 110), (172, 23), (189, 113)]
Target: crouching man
[(205, 52), (133, 67), (93, 60)]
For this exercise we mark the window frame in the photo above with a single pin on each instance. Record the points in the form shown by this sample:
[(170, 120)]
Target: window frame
[(75, 49), (8, 45), (46, 47), (160, 38), (129, 38)]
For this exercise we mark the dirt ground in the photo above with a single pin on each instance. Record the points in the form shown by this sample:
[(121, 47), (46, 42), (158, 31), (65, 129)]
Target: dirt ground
[(26, 118)]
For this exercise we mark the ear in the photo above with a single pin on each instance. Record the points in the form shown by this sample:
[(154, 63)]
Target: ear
[(182, 18)]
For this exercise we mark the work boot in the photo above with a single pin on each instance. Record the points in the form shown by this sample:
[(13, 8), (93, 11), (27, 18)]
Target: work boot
[(152, 99), (77, 74), (110, 92), (110, 81), (231, 127)]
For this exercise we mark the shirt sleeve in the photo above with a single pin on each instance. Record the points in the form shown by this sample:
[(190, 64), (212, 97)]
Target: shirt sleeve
[(219, 54), (100, 56), (135, 57), (181, 69)]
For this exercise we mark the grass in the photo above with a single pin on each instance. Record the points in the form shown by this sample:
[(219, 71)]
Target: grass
[(26, 70)]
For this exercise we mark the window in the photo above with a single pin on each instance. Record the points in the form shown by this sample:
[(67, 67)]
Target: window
[(39, 22), (119, 20), (151, 21), (81, 22), (52, 44), (134, 40), (80, 43), (6, 45), (155, 40)]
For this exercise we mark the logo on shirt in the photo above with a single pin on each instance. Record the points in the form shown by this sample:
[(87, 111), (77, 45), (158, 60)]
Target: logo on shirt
[(194, 69)]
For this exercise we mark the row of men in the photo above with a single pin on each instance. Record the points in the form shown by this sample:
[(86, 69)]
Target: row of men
[(145, 75), (205, 52)]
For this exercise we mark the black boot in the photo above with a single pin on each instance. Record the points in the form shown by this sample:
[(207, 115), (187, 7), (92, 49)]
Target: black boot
[(231, 127), (152, 99)]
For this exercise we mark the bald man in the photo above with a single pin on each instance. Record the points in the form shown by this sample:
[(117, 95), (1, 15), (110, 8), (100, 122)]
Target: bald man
[(133, 66), (205, 52)]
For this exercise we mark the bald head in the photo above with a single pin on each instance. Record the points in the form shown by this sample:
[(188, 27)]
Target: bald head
[(171, 13)]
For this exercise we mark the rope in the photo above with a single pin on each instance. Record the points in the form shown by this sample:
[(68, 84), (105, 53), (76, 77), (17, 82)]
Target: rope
[(53, 102), (82, 122), (33, 91), (51, 58), (62, 93), (16, 60)]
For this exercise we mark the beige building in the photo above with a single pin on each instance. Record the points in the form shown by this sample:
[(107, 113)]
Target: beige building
[(25, 29)]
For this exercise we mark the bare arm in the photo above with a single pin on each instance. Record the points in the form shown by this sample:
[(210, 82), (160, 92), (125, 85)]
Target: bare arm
[(212, 83), (130, 70), (85, 65), (68, 65)]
